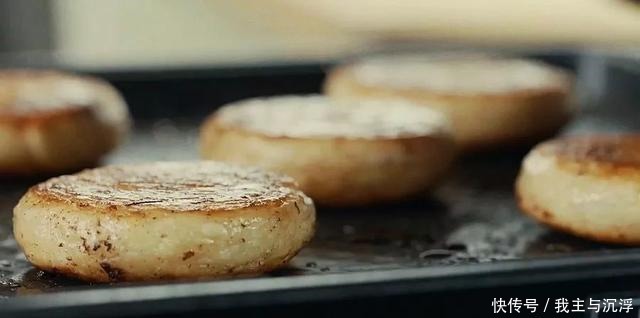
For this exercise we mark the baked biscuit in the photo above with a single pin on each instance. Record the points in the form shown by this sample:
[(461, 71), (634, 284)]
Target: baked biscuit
[(491, 102), (167, 220), (53, 122), (360, 153), (585, 185)]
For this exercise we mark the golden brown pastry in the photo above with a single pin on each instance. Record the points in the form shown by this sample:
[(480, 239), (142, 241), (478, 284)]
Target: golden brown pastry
[(353, 154), (52, 122), (167, 220), (490, 102), (585, 185)]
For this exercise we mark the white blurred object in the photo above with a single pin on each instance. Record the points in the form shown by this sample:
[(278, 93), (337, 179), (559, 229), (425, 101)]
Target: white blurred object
[(547, 22), (147, 33)]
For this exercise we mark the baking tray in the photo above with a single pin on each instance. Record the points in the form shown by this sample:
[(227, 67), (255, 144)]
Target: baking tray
[(466, 235)]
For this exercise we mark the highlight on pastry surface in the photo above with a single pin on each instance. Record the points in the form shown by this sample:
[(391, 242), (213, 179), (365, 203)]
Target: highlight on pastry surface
[(490, 101), (361, 153), (585, 185), (53, 122), (166, 220)]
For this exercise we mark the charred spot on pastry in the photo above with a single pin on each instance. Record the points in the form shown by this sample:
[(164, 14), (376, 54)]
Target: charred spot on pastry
[(181, 187), (112, 272), (187, 255)]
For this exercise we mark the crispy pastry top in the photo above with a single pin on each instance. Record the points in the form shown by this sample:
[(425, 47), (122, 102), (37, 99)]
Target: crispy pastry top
[(315, 116), (173, 186)]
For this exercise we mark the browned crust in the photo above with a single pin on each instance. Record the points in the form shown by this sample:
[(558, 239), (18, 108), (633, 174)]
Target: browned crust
[(546, 217), (45, 198), (155, 189), (612, 155)]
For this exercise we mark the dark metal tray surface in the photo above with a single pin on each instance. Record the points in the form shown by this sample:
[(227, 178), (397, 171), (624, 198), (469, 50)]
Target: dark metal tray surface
[(472, 218), (468, 233)]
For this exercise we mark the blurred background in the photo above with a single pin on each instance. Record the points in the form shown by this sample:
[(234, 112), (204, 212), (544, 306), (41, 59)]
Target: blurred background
[(168, 33), (284, 46), (147, 33)]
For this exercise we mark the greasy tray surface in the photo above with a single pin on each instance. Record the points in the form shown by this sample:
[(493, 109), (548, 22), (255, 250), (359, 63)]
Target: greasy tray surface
[(471, 219)]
